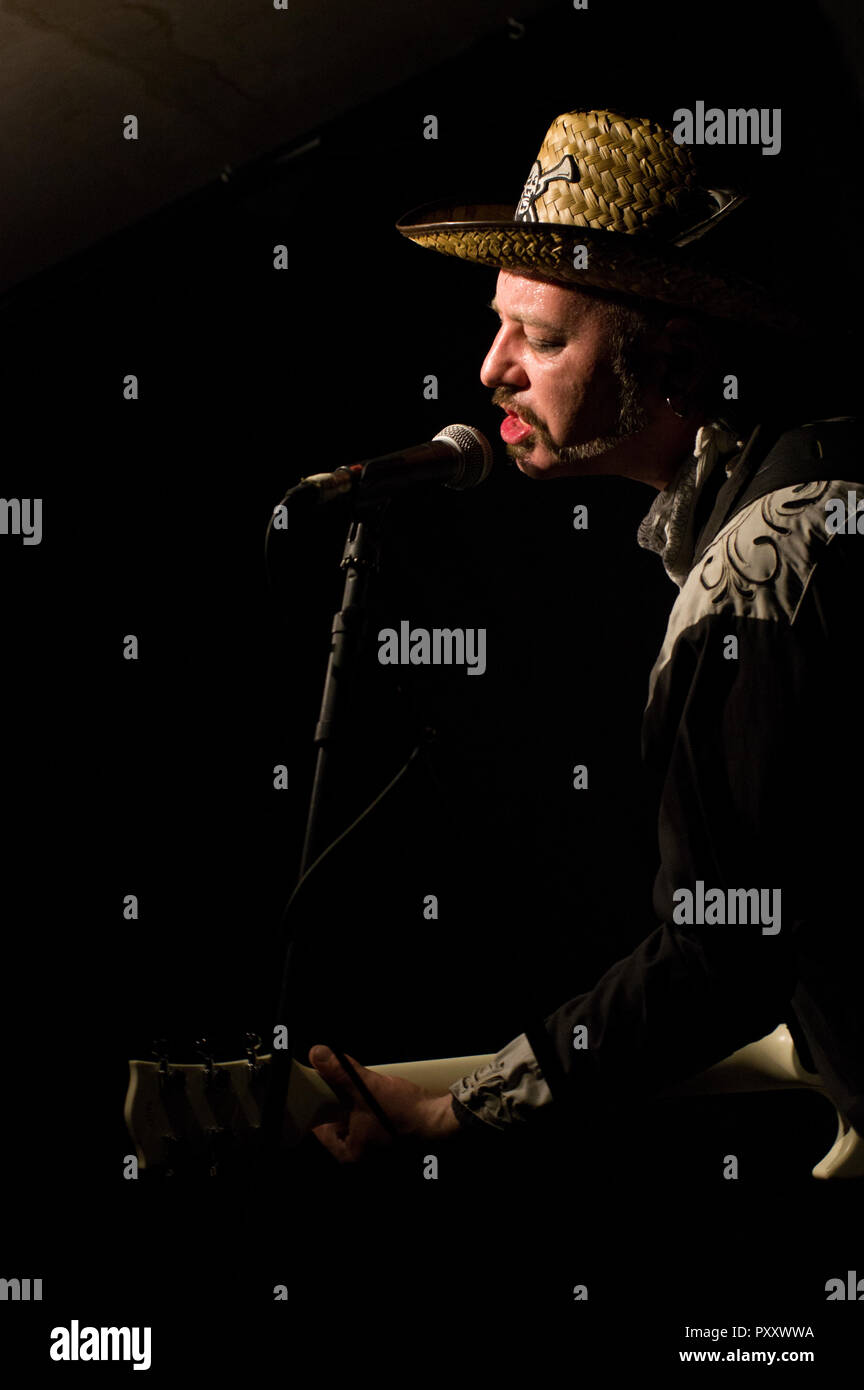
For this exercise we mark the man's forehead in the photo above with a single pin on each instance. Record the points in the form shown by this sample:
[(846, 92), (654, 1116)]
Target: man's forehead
[(545, 303)]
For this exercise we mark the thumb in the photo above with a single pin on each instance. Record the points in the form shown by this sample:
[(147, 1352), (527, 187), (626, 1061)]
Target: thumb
[(327, 1064), (360, 1094)]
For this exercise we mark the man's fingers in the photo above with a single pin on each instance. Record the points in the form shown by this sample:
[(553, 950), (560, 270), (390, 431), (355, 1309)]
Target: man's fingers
[(352, 1139), (334, 1138)]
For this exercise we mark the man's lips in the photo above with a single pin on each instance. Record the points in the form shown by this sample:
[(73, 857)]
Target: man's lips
[(513, 430)]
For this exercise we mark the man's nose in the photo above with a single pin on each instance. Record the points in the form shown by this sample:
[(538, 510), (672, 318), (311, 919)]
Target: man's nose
[(501, 367)]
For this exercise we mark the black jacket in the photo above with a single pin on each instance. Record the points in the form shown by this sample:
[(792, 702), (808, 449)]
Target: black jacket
[(753, 747)]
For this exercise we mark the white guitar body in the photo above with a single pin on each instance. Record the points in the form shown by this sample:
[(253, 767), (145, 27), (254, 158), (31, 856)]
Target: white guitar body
[(772, 1064), (170, 1108)]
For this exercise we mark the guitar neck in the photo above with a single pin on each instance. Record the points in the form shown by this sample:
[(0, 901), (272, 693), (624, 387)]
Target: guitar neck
[(311, 1102)]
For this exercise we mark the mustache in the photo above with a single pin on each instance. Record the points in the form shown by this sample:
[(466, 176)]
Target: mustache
[(503, 398)]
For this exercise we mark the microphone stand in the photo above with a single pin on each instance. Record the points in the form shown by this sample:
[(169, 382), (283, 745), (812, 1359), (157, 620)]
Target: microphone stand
[(360, 560)]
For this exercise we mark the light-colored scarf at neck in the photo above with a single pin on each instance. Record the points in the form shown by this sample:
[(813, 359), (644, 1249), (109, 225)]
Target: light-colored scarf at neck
[(668, 527)]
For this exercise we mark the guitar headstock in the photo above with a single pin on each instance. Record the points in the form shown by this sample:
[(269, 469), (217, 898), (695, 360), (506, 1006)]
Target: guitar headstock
[(200, 1117)]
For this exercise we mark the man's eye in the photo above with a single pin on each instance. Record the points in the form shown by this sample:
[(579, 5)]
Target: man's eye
[(543, 344)]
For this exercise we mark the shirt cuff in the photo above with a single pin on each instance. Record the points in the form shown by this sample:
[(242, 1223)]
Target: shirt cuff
[(504, 1092)]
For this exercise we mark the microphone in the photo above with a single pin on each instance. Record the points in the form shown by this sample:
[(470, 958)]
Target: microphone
[(459, 457)]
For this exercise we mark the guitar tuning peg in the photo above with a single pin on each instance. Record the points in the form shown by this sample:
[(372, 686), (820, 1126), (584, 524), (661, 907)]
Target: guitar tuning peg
[(218, 1143), (159, 1050), (253, 1042), (202, 1047)]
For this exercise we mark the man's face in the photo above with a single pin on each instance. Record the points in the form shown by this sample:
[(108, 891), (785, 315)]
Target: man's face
[(553, 366)]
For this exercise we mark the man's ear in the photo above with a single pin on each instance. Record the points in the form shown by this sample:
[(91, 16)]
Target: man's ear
[(681, 346)]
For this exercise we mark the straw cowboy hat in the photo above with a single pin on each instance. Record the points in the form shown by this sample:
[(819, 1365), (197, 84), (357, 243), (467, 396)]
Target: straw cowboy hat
[(612, 203)]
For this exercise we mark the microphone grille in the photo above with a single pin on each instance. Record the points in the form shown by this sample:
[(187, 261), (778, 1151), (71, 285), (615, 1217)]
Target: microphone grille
[(475, 453)]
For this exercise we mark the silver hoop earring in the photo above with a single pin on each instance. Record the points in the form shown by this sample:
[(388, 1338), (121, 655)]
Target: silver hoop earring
[(679, 413)]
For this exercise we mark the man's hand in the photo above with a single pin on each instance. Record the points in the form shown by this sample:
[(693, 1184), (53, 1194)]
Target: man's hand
[(411, 1110)]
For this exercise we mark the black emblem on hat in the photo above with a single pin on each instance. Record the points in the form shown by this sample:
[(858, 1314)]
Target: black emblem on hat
[(538, 182)]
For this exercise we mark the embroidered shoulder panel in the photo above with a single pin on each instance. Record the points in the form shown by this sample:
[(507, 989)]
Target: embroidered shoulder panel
[(759, 565)]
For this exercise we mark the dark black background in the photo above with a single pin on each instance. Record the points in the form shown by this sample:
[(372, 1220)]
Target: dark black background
[(155, 777)]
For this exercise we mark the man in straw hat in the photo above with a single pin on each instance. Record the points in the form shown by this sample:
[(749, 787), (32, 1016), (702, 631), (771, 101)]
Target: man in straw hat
[(615, 354)]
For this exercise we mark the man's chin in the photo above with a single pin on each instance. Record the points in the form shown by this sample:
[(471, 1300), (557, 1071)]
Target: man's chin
[(528, 462), (584, 459), (533, 462)]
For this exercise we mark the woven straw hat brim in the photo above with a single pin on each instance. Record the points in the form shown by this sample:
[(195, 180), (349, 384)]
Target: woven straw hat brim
[(639, 266)]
